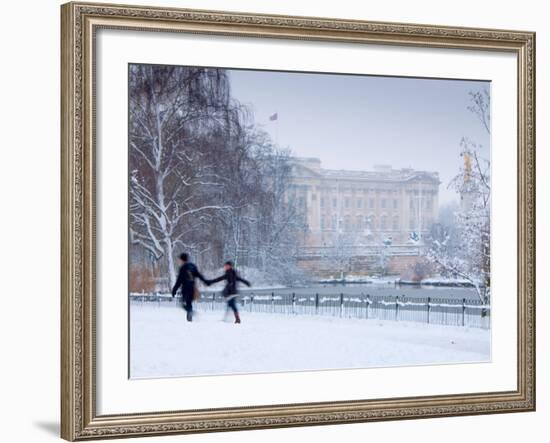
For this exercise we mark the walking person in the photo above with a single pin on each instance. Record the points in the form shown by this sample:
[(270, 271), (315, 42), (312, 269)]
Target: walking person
[(230, 292), (186, 280)]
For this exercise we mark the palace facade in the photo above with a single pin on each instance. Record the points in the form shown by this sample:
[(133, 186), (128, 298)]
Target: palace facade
[(365, 207)]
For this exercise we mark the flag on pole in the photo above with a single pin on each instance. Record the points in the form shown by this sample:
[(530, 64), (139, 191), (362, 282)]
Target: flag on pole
[(273, 117)]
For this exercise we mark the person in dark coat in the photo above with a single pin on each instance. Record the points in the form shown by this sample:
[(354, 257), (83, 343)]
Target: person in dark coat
[(230, 291), (186, 280)]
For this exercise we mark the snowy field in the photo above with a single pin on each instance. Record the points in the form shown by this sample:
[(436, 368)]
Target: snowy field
[(163, 344)]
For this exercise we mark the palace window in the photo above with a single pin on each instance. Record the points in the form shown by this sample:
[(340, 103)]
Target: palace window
[(383, 203), (359, 203), (334, 221), (395, 203), (346, 202), (383, 222), (371, 203), (322, 202), (359, 222), (335, 203)]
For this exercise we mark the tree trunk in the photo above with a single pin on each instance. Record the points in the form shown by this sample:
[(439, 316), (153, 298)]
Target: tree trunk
[(171, 264)]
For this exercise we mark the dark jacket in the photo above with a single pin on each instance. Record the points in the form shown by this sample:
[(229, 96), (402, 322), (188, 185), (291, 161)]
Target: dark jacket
[(231, 278), (186, 280)]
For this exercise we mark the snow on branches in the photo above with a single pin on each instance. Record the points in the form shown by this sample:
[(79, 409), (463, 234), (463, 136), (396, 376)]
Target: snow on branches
[(462, 248), (203, 178)]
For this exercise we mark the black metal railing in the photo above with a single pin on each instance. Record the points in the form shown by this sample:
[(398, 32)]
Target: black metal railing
[(430, 310)]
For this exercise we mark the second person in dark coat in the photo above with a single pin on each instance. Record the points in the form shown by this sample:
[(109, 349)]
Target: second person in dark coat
[(230, 290)]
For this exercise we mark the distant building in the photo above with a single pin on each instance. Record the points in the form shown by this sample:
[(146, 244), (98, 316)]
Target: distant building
[(372, 207)]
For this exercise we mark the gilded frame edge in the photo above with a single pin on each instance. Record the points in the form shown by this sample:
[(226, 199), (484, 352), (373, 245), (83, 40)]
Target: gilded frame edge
[(78, 24)]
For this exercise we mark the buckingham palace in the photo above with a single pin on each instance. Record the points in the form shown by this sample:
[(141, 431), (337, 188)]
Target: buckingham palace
[(372, 207)]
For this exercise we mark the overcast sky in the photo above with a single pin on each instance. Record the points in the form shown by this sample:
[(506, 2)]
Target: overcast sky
[(356, 122)]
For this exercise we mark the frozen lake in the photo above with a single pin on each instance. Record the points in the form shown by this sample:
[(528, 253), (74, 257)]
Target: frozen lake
[(163, 344)]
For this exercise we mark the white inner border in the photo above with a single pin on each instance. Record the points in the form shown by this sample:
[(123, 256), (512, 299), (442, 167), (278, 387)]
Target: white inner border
[(117, 394)]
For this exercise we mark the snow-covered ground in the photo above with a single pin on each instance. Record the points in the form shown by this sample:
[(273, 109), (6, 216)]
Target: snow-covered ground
[(163, 344)]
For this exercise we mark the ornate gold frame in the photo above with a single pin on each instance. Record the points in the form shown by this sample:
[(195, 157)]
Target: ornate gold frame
[(79, 420)]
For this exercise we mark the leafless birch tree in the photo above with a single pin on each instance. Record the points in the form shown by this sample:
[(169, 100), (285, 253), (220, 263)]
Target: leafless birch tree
[(171, 110)]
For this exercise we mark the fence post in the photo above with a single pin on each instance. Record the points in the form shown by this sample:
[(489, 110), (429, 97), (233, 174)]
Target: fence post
[(341, 304), (396, 307), (251, 303), (429, 300), (272, 302), (213, 301), (463, 312), (368, 306), (293, 303), (316, 303)]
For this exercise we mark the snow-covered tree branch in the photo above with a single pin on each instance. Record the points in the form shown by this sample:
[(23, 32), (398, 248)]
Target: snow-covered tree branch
[(203, 177), (462, 248)]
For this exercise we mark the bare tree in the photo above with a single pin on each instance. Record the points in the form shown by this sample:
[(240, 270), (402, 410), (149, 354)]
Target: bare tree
[(261, 230), (464, 250), (341, 253), (171, 110), (203, 178), (282, 222)]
